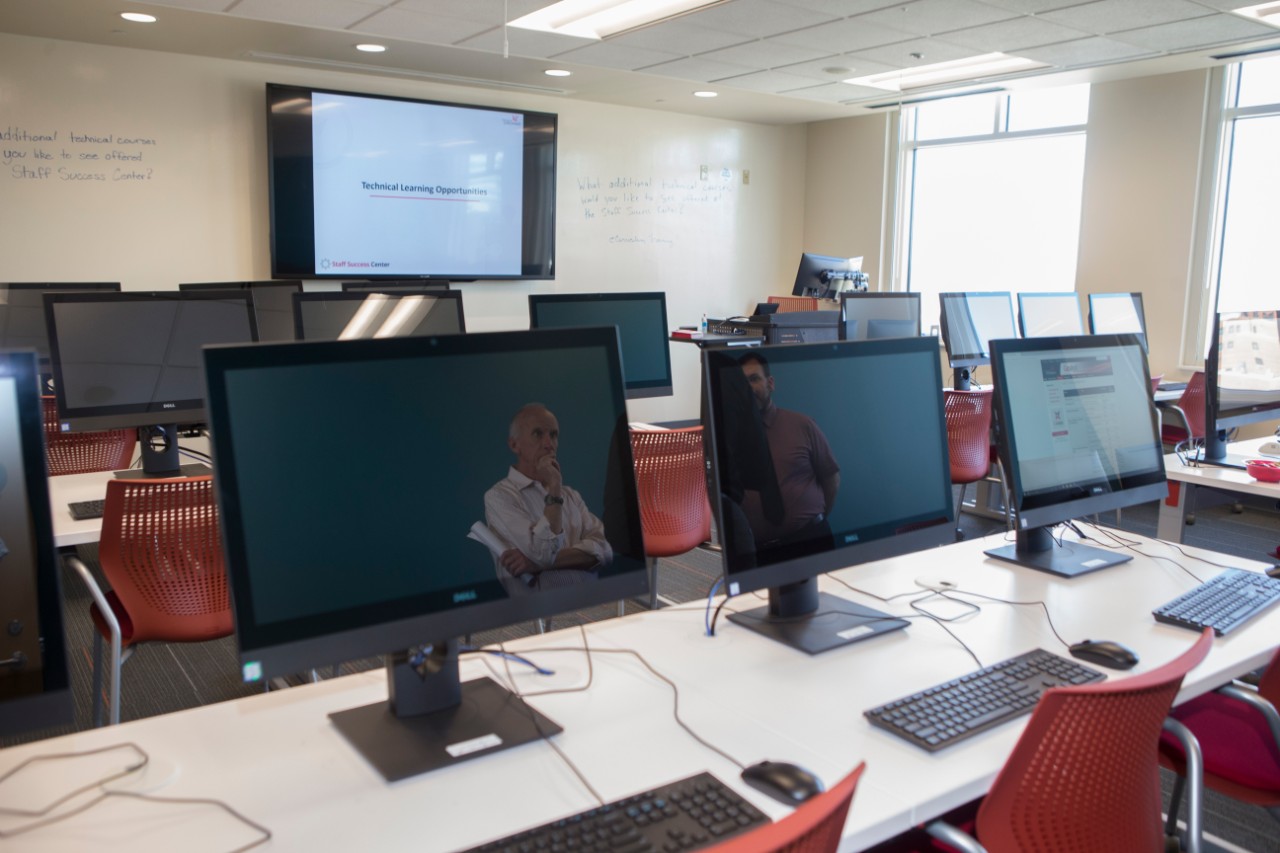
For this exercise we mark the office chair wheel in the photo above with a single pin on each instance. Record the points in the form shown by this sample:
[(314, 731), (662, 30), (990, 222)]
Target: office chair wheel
[(1191, 519), (1237, 508)]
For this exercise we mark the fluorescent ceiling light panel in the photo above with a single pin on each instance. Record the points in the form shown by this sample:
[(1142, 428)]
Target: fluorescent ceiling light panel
[(1267, 13), (597, 19), (986, 65)]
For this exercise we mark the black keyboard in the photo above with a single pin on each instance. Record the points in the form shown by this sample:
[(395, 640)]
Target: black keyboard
[(1223, 603), (83, 510), (954, 710), (1172, 386), (688, 814)]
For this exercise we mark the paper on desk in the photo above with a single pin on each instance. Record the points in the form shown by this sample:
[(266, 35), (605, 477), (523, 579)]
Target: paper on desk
[(482, 534)]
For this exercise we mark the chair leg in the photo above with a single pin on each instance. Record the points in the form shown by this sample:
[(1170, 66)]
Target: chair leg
[(95, 690), (113, 624), (960, 509), (653, 582), (1194, 783)]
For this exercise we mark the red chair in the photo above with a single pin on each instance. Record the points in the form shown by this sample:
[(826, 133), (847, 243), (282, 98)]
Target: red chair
[(1238, 729), (1085, 775), (814, 827), (85, 452), (1188, 415), (162, 555), (1155, 382), (794, 303), (671, 480), (968, 419)]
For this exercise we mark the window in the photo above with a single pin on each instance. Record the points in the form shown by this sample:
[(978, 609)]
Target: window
[(990, 193)]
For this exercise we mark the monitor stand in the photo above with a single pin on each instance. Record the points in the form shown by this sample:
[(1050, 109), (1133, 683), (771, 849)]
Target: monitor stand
[(1035, 548), (159, 451), (801, 617), (960, 378), (433, 720), (1215, 452)]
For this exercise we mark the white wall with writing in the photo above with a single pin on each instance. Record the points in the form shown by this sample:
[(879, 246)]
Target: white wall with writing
[(151, 168)]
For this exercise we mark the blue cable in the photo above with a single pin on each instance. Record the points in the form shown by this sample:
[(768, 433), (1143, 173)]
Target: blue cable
[(706, 617)]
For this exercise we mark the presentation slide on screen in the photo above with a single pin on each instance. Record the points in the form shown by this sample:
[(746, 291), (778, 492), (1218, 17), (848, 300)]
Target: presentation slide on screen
[(406, 188)]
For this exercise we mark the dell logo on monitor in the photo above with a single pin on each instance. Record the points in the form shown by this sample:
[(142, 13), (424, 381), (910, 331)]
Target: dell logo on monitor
[(468, 595), (169, 406)]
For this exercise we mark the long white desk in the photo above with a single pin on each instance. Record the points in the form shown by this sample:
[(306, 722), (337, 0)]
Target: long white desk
[(1184, 479), (69, 488), (277, 758)]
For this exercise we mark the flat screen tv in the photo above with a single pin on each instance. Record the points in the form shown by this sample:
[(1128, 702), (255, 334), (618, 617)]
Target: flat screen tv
[(368, 186)]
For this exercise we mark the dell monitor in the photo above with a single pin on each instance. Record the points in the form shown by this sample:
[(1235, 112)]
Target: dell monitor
[(1242, 378), (272, 304), (22, 322), (411, 284), (823, 277), (808, 474), (970, 322), (641, 319), (1117, 314), (1049, 315), (1078, 435), (333, 316), (388, 566), (35, 689), (872, 316), (133, 359)]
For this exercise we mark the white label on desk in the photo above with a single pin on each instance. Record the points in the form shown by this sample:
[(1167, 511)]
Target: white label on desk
[(854, 633), (457, 750), (1094, 564)]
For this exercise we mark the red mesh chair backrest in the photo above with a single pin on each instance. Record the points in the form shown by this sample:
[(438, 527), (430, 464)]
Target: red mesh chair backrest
[(814, 827), (968, 417), (1084, 775), (85, 452), (671, 481), (162, 554), (1192, 405)]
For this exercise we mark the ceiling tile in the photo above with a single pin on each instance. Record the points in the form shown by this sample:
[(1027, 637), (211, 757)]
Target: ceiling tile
[(1032, 7), (331, 14), (1090, 51), (843, 36), (765, 54), (529, 43), (415, 26), (609, 55), (1012, 36), (930, 17), (678, 36), (836, 93), (484, 11), (198, 5), (858, 67), (843, 8), (756, 18), (1113, 16), (930, 50), (1202, 32), (697, 68), (766, 81)]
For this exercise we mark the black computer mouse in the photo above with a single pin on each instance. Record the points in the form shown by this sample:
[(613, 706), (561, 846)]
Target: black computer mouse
[(1106, 653), (1274, 571), (786, 783)]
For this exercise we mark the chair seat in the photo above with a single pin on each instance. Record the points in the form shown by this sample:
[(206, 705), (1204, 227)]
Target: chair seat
[(1237, 746)]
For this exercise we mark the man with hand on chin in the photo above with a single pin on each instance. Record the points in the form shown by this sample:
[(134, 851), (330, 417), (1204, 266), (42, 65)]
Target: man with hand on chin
[(554, 539)]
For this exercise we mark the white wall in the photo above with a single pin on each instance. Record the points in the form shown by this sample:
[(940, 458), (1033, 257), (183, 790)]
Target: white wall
[(194, 207)]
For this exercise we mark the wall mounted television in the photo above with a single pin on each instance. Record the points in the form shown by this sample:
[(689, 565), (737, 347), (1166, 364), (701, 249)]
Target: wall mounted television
[(371, 186)]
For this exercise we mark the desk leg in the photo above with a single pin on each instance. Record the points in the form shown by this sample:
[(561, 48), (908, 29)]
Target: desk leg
[(1173, 512)]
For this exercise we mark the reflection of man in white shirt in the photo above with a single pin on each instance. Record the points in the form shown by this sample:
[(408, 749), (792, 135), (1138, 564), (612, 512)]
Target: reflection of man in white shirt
[(552, 538)]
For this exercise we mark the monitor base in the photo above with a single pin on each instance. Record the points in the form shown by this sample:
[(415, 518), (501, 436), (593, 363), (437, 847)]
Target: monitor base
[(836, 622), (489, 719), (191, 469), (1067, 561), (1229, 460)]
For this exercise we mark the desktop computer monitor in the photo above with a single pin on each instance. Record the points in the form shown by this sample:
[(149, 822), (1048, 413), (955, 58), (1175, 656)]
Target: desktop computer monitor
[(1117, 314), (35, 690), (22, 322), (1049, 315), (333, 316), (970, 322), (641, 319), (1242, 378), (133, 359), (1078, 434), (272, 304), (823, 276), (872, 316), (387, 565), (823, 456), (410, 284)]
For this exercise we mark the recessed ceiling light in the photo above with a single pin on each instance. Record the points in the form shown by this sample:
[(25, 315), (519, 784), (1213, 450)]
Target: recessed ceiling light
[(557, 72), (703, 93), (837, 70), (371, 48), (1267, 13), (973, 67), (597, 19), (138, 17)]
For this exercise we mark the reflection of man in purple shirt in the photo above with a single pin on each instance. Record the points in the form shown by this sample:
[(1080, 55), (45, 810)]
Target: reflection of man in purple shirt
[(807, 471)]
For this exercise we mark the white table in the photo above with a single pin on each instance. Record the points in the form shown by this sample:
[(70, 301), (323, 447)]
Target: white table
[(277, 758), (69, 488), (1184, 479)]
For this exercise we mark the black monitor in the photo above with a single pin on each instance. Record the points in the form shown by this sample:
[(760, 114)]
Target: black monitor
[(388, 565), (1117, 314), (412, 284), (22, 322), (873, 316), (272, 304), (133, 359), (818, 463), (641, 319), (1242, 378), (1078, 435), (1049, 315), (970, 322), (334, 316), (823, 276), (35, 690)]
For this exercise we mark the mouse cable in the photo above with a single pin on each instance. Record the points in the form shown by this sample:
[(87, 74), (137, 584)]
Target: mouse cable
[(711, 594), (1133, 546), (1038, 603), (104, 794), (882, 598)]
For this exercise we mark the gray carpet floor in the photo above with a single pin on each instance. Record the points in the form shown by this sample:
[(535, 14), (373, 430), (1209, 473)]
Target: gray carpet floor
[(162, 678)]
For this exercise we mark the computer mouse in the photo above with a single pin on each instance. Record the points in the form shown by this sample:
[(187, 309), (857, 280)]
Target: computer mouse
[(1269, 448), (1274, 571), (1106, 653), (786, 783)]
